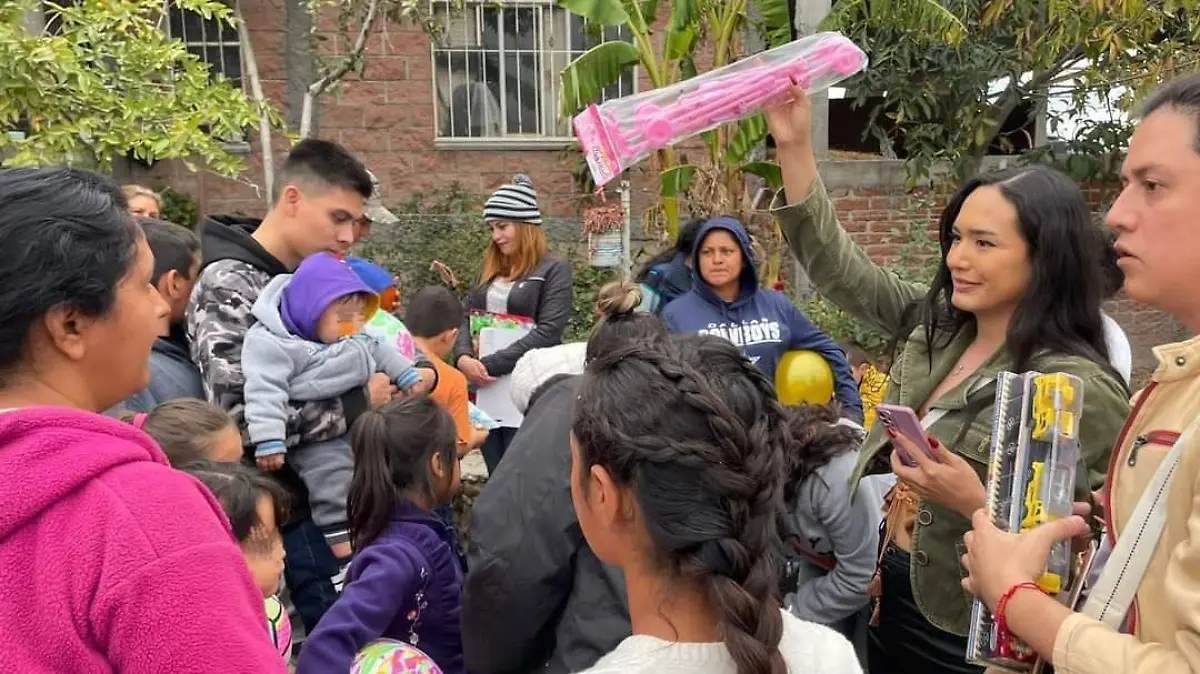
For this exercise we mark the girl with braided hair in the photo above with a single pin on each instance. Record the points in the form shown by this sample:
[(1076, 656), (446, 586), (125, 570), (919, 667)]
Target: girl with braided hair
[(680, 491)]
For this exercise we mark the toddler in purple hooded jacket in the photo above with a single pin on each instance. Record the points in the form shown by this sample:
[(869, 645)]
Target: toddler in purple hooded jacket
[(307, 344)]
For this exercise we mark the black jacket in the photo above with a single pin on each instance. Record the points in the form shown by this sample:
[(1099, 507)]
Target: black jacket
[(536, 598), (543, 295)]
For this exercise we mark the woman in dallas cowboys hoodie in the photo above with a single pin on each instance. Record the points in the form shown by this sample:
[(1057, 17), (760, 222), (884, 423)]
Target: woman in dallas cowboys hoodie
[(726, 301)]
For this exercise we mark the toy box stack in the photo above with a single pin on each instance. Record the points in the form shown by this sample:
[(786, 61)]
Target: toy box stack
[(1031, 481)]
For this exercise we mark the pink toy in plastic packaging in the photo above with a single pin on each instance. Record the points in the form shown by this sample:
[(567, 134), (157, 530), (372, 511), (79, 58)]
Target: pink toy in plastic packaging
[(619, 133)]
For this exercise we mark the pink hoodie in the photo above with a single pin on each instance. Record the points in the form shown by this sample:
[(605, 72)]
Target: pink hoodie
[(110, 561)]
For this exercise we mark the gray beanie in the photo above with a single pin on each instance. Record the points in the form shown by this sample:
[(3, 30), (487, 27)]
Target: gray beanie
[(516, 202)]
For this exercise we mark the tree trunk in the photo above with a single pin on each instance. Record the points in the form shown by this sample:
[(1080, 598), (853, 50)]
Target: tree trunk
[(264, 122), (348, 61)]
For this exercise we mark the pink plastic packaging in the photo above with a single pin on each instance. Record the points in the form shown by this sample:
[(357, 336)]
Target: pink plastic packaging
[(619, 133)]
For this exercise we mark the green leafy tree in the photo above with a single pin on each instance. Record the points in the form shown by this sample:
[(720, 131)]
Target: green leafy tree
[(715, 26), (99, 78), (947, 75)]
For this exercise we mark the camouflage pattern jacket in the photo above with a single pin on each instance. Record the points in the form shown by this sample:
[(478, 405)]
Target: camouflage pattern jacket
[(236, 269)]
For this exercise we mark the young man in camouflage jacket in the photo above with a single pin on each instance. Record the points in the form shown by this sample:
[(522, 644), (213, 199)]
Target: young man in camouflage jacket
[(320, 207)]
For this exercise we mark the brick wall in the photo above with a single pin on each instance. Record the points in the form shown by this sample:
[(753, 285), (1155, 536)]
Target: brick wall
[(386, 117)]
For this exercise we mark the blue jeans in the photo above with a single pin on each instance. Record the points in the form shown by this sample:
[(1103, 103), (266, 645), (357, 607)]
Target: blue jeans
[(308, 569)]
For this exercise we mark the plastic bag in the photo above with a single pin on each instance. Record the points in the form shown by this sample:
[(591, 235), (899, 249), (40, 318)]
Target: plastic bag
[(619, 133)]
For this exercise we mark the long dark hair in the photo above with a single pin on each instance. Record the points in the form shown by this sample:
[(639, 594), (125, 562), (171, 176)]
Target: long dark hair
[(1060, 310), (392, 448), (695, 430), (684, 242), (816, 438)]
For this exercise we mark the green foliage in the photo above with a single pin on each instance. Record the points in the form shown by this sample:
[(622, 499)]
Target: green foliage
[(178, 207), (586, 281), (717, 184), (103, 80), (444, 226), (1094, 153), (991, 56), (916, 260)]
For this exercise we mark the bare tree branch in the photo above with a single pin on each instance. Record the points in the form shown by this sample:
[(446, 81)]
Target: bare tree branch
[(348, 62)]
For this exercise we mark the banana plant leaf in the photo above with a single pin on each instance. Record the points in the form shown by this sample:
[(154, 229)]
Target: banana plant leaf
[(584, 79)]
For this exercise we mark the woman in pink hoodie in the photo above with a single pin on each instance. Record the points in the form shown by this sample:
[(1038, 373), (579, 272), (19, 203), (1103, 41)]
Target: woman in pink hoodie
[(110, 561)]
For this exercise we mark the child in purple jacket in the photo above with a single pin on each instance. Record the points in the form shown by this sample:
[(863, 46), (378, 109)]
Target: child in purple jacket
[(405, 582)]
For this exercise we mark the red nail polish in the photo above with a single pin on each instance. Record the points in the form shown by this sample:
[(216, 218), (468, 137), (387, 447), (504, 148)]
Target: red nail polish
[(933, 442), (891, 431)]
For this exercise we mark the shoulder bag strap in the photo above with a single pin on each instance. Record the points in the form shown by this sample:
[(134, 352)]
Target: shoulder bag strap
[(1113, 593)]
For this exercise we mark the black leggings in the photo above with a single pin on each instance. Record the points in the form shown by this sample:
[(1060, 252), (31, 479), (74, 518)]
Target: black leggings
[(905, 642)]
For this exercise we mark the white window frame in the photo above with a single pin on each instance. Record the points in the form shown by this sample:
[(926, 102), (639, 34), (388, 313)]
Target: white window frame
[(550, 103)]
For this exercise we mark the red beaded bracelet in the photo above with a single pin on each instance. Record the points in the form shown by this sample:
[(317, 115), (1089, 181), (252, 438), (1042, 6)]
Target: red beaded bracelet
[(1003, 636)]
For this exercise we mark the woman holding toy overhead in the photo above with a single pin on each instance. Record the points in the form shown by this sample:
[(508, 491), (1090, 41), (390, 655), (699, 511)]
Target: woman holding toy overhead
[(518, 278), (1018, 288)]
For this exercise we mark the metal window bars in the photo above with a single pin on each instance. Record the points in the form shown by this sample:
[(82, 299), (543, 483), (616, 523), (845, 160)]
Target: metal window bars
[(213, 42), (496, 68)]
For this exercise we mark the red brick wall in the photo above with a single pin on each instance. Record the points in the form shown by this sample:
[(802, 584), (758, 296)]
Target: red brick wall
[(386, 117)]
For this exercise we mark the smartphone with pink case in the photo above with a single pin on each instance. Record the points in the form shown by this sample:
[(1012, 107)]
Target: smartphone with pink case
[(904, 421)]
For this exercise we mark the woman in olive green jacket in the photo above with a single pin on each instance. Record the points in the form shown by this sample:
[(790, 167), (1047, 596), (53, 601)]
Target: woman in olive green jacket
[(1018, 289)]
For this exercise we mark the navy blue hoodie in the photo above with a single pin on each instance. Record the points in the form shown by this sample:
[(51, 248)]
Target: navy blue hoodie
[(763, 323)]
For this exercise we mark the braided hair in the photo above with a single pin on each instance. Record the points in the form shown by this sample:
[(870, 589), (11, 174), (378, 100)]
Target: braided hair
[(695, 431)]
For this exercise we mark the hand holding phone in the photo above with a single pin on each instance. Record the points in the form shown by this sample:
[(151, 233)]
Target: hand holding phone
[(903, 421)]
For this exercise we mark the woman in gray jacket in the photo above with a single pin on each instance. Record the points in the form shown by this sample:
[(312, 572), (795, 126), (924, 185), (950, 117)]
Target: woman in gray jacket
[(832, 541), (518, 278)]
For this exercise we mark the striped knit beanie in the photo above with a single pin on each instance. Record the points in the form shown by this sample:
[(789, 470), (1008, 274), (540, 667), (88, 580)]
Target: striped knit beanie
[(516, 202)]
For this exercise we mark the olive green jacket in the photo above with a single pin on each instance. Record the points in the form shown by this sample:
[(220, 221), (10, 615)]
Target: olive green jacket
[(842, 272)]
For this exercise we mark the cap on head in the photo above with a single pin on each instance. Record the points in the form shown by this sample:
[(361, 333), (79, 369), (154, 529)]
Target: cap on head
[(374, 208)]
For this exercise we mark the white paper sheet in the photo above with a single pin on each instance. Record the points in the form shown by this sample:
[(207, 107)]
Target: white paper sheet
[(496, 399)]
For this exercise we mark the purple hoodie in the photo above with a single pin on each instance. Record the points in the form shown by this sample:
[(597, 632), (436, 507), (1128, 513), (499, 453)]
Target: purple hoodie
[(405, 585), (319, 281)]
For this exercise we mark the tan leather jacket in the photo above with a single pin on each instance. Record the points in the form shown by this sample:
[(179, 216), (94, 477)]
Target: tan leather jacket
[(1166, 637)]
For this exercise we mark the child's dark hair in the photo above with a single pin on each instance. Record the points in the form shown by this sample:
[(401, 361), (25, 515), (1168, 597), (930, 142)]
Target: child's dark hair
[(184, 428), (620, 322), (432, 311), (239, 488), (816, 438), (695, 430), (857, 355), (392, 447)]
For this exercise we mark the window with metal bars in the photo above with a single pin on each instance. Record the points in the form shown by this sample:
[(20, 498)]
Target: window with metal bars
[(213, 42), (496, 68)]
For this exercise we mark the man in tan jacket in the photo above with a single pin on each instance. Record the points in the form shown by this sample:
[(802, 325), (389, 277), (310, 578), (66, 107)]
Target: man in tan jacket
[(1157, 220)]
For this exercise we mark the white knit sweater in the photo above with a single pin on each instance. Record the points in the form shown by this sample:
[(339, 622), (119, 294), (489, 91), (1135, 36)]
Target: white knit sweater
[(806, 647)]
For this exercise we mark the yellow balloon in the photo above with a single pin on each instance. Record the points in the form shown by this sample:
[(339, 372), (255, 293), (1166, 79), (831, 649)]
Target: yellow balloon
[(803, 377)]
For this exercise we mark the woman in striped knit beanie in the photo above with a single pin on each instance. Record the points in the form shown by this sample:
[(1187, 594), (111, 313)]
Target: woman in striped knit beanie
[(519, 278)]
